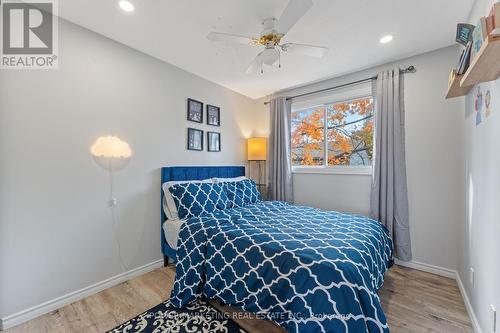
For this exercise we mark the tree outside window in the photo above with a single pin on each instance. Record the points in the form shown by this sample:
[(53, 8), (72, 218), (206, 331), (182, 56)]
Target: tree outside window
[(348, 134)]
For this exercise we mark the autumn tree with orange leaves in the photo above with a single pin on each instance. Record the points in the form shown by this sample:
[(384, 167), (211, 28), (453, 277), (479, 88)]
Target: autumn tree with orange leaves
[(349, 127)]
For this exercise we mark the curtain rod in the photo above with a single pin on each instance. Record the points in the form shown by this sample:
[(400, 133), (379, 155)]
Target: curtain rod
[(409, 69)]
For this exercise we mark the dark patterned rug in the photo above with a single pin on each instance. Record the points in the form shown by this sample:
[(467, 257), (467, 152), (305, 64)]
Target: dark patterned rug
[(198, 316)]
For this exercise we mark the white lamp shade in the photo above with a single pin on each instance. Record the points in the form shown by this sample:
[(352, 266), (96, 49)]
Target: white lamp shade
[(110, 152)]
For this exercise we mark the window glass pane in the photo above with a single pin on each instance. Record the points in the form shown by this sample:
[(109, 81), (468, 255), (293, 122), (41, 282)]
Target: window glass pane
[(350, 132), (308, 145)]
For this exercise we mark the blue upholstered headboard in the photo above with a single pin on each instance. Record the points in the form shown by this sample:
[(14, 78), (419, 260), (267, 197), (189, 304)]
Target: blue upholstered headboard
[(192, 173)]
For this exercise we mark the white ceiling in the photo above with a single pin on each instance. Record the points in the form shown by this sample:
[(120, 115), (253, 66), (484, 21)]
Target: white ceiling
[(175, 31)]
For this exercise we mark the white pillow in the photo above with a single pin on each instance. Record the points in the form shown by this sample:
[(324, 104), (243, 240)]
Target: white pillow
[(169, 206), (224, 180)]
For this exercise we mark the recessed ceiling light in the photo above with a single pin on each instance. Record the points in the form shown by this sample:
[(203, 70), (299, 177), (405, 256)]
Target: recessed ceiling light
[(126, 6), (386, 39)]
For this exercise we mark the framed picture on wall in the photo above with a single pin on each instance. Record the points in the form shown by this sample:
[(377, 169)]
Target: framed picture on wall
[(213, 141), (194, 110), (195, 139), (213, 115)]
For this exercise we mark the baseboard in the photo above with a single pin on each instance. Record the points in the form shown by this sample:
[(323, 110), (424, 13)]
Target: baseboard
[(468, 305), (449, 273), (446, 272), (56, 303)]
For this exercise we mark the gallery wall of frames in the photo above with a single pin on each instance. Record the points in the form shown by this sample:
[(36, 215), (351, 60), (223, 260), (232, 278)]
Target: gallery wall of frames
[(196, 136)]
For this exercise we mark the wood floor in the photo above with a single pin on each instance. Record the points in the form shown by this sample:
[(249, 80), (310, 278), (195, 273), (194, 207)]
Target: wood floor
[(413, 302)]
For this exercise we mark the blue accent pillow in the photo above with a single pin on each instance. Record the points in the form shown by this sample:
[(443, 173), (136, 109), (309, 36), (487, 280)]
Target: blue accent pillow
[(195, 199), (242, 193)]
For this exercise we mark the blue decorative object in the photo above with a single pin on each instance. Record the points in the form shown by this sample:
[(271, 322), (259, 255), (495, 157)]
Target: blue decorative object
[(190, 173), (242, 193), (195, 199), (307, 269)]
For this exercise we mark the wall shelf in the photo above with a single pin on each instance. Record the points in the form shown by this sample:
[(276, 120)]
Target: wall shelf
[(486, 64), (455, 89)]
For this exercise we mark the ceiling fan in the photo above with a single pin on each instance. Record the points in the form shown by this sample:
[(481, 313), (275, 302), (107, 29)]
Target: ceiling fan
[(273, 32)]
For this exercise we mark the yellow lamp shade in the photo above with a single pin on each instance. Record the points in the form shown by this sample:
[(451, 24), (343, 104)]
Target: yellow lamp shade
[(257, 149)]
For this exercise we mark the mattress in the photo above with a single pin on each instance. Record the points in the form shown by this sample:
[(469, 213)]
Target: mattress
[(171, 230)]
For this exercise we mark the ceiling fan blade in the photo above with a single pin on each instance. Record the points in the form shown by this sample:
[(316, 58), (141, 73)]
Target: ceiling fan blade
[(304, 49), (292, 13), (224, 37), (256, 65)]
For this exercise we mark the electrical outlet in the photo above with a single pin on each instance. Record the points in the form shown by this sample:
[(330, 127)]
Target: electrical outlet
[(493, 318), (472, 277)]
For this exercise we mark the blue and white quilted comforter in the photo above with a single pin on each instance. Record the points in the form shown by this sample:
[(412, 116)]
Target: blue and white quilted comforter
[(307, 269)]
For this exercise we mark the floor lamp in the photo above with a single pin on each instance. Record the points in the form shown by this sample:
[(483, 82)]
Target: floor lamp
[(257, 152)]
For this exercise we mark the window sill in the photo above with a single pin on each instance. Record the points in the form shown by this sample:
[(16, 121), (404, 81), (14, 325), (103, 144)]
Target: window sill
[(359, 171)]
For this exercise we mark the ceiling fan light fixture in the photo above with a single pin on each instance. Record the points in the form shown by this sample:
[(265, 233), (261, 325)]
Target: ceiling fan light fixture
[(271, 35), (270, 56)]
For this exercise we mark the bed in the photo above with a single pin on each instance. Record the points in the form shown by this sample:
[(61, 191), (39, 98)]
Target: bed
[(306, 269)]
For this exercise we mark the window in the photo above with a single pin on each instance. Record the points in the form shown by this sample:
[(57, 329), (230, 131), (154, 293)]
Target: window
[(333, 134)]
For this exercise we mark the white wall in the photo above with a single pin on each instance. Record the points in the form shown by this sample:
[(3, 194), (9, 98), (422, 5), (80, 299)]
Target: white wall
[(478, 233), (344, 193), (56, 232), (433, 149)]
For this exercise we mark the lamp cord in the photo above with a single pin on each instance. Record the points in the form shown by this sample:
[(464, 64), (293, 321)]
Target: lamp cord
[(114, 219)]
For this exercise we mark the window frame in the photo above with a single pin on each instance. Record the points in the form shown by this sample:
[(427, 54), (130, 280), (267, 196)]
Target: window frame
[(336, 169)]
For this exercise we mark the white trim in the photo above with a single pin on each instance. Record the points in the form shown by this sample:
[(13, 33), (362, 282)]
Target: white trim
[(468, 305), (56, 303), (336, 170), (446, 272), (449, 273)]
